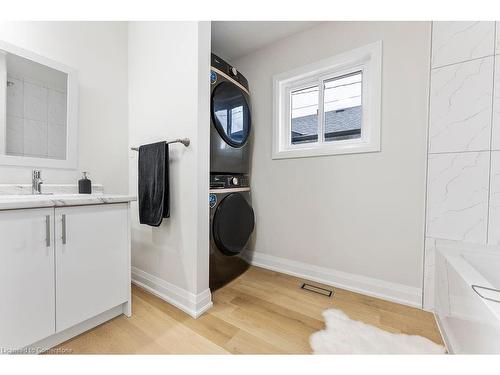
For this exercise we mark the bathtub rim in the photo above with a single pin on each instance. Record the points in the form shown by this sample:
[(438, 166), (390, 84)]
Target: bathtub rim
[(471, 276)]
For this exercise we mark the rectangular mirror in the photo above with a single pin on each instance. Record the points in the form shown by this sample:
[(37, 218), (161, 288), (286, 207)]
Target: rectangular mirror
[(38, 110)]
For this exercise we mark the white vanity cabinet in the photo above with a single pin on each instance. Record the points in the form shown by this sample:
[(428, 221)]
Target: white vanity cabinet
[(63, 270), (27, 294), (91, 261)]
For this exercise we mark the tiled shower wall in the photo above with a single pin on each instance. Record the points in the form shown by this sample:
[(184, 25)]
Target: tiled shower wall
[(463, 170)]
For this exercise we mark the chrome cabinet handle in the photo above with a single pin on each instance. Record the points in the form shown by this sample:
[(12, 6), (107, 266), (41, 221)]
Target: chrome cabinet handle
[(47, 230), (64, 229)]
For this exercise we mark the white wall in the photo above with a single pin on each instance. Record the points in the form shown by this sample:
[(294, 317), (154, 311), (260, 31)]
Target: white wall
[(351, 220), (169, 66), (98, 51), (463, 183)]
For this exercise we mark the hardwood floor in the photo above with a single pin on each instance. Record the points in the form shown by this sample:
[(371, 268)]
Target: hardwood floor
[(260, 312)]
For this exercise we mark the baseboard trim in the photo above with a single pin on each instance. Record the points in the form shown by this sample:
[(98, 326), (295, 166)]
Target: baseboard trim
[(193, 304), (356, 283)]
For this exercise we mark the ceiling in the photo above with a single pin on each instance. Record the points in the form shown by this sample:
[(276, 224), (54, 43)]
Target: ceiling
[(234, 39)]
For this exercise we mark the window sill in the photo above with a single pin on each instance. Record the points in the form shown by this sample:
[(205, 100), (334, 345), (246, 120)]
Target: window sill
[(330, 150)]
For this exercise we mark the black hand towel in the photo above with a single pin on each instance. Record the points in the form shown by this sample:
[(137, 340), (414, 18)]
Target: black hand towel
[(154, 200)]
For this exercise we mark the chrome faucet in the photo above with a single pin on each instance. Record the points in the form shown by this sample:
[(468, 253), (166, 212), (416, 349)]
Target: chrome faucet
[(36, 182)]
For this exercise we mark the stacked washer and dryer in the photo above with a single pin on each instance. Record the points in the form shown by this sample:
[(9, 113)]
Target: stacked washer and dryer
[(231, 214)]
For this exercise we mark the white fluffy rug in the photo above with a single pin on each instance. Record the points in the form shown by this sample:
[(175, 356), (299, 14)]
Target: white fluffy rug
[(346, 336)]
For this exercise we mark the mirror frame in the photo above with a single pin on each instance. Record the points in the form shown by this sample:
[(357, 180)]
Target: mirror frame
[(71, 161)]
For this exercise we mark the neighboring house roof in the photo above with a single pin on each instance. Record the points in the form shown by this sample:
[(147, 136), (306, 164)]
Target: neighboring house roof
[(340, 120)]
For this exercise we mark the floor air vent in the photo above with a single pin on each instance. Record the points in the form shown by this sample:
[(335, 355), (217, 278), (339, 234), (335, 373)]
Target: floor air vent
[(316, 289)]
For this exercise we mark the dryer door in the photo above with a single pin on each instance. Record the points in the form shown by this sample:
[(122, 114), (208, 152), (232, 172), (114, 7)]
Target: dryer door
[(231, 114), (232, 224)]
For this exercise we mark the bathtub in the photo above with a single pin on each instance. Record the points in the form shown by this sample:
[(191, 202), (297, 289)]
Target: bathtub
[(467, 290)]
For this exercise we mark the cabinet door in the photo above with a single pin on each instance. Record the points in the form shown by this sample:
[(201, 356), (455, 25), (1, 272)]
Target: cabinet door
[(91, 261), (27, 295)]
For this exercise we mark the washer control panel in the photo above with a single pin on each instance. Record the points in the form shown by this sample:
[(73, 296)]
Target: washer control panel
[(227, 69), (212, 200), (226, 181)]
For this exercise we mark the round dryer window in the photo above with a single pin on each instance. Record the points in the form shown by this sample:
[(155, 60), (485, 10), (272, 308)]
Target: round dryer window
[(231, 114), (232, 224)]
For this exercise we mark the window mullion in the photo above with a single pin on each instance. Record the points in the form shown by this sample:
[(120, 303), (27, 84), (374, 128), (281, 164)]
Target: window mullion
[(321, 112)]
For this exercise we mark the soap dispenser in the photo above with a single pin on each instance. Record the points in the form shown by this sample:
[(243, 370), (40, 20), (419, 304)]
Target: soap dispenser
[(84, 185)]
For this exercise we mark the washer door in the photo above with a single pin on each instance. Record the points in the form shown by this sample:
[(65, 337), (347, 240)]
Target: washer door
[(232, 224), (231, 114)]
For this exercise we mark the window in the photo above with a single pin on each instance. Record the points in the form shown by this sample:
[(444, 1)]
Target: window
[(304, 115), (329, 107)]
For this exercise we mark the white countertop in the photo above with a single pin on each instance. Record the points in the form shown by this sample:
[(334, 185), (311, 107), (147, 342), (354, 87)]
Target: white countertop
[(20, 201)]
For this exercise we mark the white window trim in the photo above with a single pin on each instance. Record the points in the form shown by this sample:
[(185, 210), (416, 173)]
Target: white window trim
[(367, 59)]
